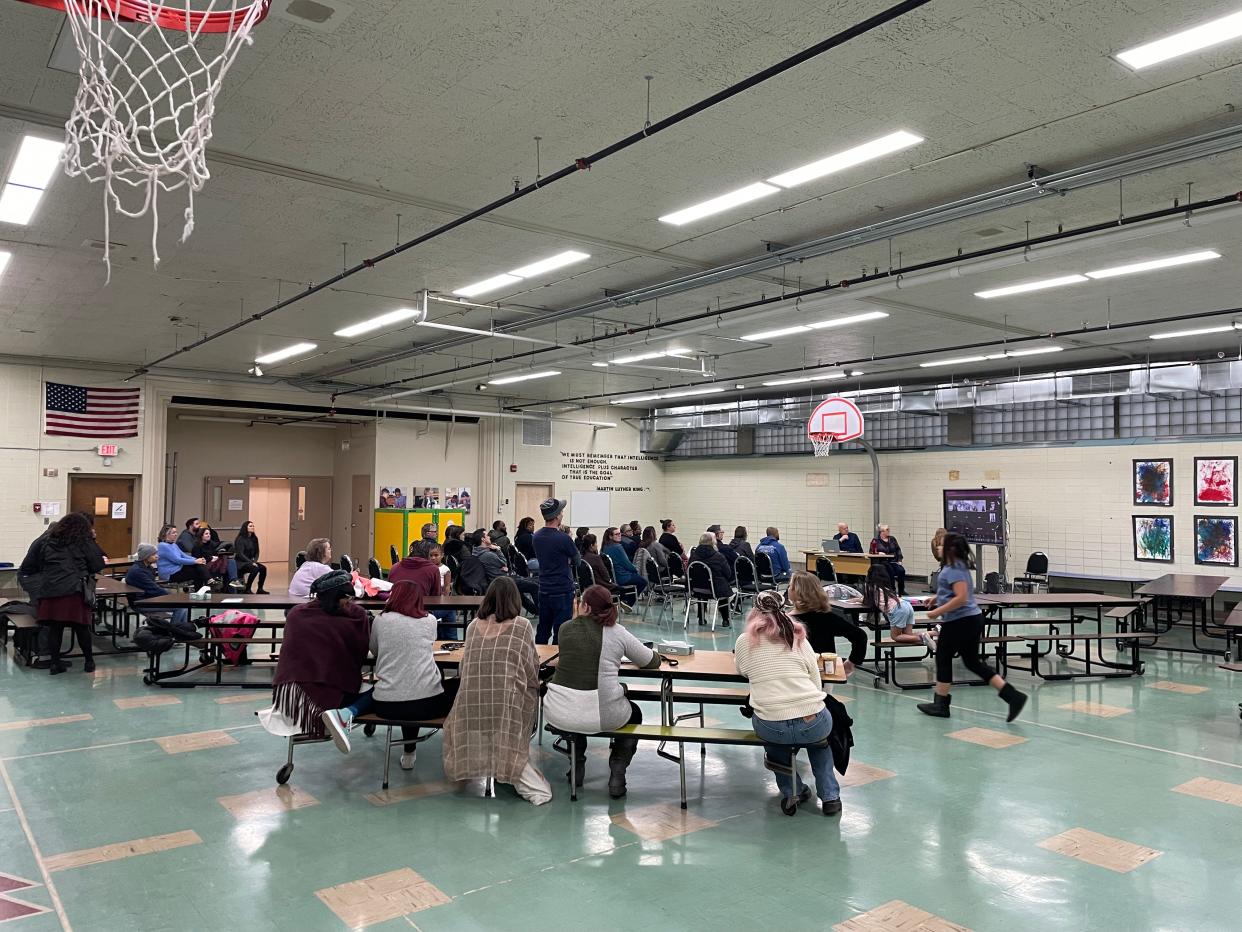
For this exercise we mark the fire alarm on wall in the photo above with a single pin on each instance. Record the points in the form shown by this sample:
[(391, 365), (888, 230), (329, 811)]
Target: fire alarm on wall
[(513, 467)]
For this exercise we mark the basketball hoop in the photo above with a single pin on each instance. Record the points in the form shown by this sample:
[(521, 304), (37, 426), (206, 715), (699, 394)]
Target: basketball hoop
[(834, 420), (143, 113)]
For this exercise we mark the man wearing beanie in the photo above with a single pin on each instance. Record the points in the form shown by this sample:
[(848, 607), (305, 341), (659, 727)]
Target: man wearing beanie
[(142, 576)]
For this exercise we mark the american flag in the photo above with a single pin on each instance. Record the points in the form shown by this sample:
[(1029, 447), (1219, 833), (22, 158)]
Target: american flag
[(78, 411)]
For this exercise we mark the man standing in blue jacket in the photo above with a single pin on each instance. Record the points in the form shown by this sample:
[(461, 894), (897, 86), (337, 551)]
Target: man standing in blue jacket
[(772, 546)]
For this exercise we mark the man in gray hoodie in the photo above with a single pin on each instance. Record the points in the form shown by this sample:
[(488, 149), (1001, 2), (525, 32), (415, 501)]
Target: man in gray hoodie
[(494, 566)]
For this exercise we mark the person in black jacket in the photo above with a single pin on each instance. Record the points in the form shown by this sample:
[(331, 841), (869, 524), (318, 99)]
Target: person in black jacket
[(722, 575), (246, 552), (142, 576), (454, 546), (69, 560), (524, 539), (668, 539), (28, 579), (218, 564), (823, 625)]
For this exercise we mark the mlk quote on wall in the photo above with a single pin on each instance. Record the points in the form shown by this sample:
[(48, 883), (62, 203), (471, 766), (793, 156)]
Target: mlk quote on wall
[(602, 469)]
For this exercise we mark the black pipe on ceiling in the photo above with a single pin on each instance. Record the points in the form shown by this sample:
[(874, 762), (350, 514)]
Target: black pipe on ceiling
[(581, 164)]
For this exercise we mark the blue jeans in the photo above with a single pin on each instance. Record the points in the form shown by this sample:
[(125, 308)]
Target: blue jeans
[(178, 614), (446, 632), (779, 736), (362, 703), (554, 610)]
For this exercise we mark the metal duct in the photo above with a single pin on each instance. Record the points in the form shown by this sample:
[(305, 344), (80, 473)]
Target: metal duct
[(1220, 376), (1099, 384), (663, 441), (1025, 391), (1172, 379)]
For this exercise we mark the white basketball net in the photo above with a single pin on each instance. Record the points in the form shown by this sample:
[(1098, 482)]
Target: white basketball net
[(142, 117), (822, 443)]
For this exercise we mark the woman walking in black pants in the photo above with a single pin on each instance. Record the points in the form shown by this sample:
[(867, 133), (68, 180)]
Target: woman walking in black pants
[(961, 632)]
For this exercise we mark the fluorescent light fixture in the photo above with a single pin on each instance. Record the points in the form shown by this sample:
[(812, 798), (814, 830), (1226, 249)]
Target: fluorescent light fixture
[(817, 325), (635, 399), (960, 360), (1201, 331), (888, 390), (752, 192), (1024, 287), (691, 392), (1203, 36), (4, 260), (488, 284), (523, 377), (36, 163), (366, 326), (856, 372), (827, 377), (1037, 351), (559, 261), (297, 349), (644, 357), (600, 365), (17, 204), (483, 333), (885, 145), (1165, 263)]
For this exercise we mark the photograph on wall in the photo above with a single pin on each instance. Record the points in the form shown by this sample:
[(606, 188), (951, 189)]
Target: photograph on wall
[(1216, 540), (1153, 482), (457, 498), (392, 497), (1153, 538), (426, 496), (1216, 479)]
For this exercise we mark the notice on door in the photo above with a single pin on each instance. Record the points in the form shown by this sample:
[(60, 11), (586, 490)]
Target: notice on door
[(235, 504), (101, 506), (120, 510)]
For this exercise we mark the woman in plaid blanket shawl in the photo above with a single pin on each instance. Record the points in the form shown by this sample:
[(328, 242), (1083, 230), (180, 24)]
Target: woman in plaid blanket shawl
[(488, 732)]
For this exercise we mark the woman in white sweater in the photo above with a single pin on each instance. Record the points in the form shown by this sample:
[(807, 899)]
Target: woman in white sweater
[(787, 694)]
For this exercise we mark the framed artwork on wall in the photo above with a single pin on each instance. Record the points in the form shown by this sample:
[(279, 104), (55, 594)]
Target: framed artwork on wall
[(1216, 540), (1153, 482), (1216, 480), (1153, 538)]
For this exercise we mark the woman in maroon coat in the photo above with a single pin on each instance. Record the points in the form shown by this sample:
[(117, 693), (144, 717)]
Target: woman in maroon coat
[(320, 668), (68, 562)]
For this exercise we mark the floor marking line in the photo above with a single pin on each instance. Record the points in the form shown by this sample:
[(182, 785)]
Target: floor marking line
[(115, 744), (1071, 731), (34, 849)]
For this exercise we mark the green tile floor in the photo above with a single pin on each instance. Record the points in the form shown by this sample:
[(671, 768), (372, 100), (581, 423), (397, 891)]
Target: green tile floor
[(955, 831)]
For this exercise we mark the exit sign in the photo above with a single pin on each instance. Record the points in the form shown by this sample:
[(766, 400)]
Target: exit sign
[(107, 449)]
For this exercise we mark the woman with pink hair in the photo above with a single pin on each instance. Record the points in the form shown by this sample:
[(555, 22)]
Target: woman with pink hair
[(787, 694)]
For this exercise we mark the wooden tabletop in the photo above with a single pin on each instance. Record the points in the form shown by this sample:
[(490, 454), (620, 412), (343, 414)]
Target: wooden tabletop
[(1184, 586), (848, 553), (106, 585), (714, 665), (855, 606), (281, 600), (1054, 600), (546, 652)]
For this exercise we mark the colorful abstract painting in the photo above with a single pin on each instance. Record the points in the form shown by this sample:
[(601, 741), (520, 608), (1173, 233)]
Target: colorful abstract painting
[(1216, 540), (1216, 480), (1153, 482), (1153, 538)]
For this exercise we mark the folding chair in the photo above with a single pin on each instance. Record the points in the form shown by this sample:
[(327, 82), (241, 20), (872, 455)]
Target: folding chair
[(702, 591), (622, 589), (765, 576)]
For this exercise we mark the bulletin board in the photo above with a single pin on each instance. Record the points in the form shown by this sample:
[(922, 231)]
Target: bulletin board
[(590, 509)]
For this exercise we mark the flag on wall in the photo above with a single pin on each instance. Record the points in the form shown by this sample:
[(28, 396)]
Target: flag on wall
[(78, 411)]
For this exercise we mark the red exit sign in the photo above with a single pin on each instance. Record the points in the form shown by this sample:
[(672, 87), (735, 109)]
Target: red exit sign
[(107, 449)]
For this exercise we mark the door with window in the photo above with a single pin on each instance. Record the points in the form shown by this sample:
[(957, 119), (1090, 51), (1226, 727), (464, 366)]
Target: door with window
[(226, 504), (110, 501), (527, 498), (310, 515)]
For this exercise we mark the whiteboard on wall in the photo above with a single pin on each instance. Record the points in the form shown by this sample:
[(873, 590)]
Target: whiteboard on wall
[(590, 509)]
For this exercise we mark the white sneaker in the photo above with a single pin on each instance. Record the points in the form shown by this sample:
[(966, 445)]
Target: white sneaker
[(338, 722), (407, 760), (927, 639)]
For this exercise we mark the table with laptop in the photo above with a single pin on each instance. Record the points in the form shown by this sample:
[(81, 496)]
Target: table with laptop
[(844, 562)]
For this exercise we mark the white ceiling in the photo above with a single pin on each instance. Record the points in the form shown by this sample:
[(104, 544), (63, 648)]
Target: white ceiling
[(429, 109)]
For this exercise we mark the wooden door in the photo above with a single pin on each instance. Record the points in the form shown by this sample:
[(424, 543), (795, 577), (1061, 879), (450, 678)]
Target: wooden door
[(226, 504), (111, 502), (360, 519), (310, 514), (269, 510), (527, 498)]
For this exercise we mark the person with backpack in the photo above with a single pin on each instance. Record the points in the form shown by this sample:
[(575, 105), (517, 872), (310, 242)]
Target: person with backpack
[(69, 560)]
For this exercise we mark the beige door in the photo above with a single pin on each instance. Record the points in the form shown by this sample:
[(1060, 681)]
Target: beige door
[(360, 520), (269, 510), (310, 514), (225, 500), (526, 500)]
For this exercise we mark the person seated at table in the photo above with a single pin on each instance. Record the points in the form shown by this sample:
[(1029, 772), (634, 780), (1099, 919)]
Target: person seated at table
[(487, 733), (585, 695), (627, 574), (318, 678), (775, 550), (318, 556), (721, 573), (218, 564), (418, 567), (454, 543), (885, 542), (176, 565), (823, 626), (408, 684), (495, 566), (880, 593), (847, 539), (524, 541), (246, 552), (142, 576), (787, 695), (68, 559), (188, 539), (741, 546)]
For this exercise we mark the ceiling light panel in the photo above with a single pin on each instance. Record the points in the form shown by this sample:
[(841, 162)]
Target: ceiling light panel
[(800, 380), (297, 349), (957, 361), (815, 325), (1198, 332), (559, 261), (1152, 264), (488, 284), (375, 323), (716, 205), (1203, 36), (885, 145), (1025, 287), (523, 377), (4, 261), (37, 162)]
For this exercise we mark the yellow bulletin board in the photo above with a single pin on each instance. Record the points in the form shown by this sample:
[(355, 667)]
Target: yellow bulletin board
[(400, 527)]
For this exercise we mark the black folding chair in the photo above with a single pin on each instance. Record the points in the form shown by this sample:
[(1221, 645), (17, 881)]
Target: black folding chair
[(373, 568), (392, 552), (622, 589), (702, 591), (825, 570), (765, 576)]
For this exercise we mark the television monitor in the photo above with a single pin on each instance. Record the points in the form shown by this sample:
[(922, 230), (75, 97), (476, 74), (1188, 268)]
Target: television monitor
[(976, 514)]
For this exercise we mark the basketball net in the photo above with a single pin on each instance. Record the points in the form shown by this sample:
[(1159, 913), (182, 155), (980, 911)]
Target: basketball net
[(142, 117), (821, 443)]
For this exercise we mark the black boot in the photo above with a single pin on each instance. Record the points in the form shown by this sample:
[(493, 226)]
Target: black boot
[(622, 753), (1015, 699), (937, 708)]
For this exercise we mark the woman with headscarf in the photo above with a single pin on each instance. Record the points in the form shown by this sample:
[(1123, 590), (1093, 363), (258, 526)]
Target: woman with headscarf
[(319, 673), (787, 694), (585, 695)]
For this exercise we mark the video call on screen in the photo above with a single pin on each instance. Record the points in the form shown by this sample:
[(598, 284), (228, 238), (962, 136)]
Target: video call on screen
[(976, 514)]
